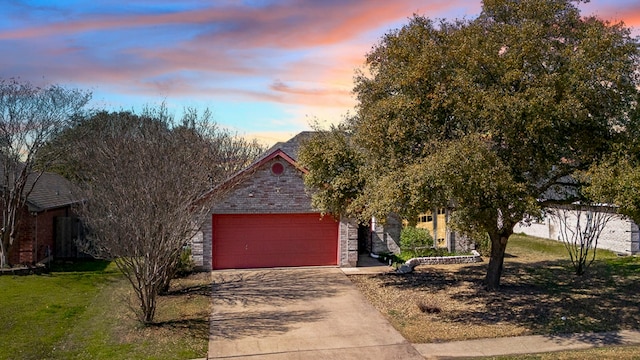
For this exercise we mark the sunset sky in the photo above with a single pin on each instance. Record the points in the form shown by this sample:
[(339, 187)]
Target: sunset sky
[(266, 68)]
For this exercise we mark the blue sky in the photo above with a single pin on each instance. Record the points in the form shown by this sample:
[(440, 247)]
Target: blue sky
[(266, 68)]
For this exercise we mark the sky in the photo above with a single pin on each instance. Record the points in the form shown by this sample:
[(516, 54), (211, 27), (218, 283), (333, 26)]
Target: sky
[(267, 69)]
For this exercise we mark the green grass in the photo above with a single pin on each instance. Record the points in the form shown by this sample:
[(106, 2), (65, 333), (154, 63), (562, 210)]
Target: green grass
[(547, 248), (81, 311)]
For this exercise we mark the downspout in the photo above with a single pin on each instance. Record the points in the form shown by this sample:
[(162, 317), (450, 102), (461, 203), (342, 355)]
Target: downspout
[(35, 237), (372, 231)]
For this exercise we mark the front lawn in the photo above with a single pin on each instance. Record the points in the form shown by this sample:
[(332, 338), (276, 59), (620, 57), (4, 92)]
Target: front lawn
[(81, 311), (540, 295)]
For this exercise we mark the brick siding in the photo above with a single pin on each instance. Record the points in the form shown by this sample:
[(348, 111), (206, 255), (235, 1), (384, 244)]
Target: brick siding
[(35, 240)]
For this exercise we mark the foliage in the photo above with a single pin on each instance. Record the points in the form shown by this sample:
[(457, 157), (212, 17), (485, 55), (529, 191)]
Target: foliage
[(616, 180), (337, 167), (29, 117), (415, 241), (489, 116), (186, 264), (75, 312), (148, 181)]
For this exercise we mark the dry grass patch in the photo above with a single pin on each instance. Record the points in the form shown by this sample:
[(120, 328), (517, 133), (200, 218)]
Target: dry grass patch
[(182, 317), (539, 295), (616, 352)]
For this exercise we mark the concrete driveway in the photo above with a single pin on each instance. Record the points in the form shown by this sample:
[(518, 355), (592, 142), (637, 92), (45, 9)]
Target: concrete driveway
[(302, 313)]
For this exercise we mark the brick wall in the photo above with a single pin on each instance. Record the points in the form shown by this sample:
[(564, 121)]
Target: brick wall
[(35, 238)]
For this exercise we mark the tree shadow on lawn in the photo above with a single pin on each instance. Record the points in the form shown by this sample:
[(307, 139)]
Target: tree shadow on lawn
[(545, 297), (197, 327), (200, 290), (275, 287)]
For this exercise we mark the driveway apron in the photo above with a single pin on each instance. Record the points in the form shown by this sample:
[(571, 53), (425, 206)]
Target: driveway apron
[(300, 313)]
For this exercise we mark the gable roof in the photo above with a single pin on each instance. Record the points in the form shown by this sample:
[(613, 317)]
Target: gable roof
[(50, 191), (291, 146), (288, 151)]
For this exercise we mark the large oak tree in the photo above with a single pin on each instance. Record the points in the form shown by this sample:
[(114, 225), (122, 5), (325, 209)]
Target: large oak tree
[(489, 116)]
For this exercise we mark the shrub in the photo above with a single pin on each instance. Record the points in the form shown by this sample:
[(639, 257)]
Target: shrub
[(415, 241), (482, 243), (186, 265)]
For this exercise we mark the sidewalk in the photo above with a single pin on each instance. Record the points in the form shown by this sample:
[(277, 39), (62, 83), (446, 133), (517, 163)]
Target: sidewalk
[(526, 344)]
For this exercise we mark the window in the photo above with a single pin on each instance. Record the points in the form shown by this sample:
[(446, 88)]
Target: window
[(277, 169)]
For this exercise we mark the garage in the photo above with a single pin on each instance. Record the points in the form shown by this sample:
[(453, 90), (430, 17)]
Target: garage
[(243, 241), (263, 217)]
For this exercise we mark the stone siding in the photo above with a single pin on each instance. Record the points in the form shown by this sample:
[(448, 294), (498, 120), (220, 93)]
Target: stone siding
[(348, 243), (197, 250), (263, 192), (207, 245), (438, 260), (386, 237)]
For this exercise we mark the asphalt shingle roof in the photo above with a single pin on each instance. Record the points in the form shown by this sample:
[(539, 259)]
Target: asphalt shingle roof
[(291, 146), (51, 191)]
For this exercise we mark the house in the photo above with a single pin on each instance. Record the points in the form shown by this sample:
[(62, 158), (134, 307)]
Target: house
[(620, 234), (48, 226), (265, 219), (435, 222)]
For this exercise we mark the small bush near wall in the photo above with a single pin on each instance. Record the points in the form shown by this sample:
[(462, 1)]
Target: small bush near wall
[(186, 264), (416, 242)]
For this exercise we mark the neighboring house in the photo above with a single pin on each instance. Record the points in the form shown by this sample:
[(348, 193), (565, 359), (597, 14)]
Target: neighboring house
[(48, 226), (265, 219), (620, 235), (443, 236), (435, 222)]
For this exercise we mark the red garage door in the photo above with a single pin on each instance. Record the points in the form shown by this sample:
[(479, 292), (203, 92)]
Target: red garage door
[(274, 240)]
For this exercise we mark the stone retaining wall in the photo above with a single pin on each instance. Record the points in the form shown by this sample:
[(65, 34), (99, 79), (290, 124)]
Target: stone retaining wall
[(29, 270), (437, 260)]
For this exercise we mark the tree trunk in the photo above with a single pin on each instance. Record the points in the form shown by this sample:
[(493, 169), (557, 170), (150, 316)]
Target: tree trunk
[(4, 252), (494, 270)]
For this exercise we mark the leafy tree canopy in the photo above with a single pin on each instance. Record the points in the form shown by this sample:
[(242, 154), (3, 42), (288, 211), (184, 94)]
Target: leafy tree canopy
[(489, 116)]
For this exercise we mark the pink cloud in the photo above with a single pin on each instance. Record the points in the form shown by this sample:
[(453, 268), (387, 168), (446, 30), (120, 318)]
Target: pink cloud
[(629, 14), (226, 51), (289, 25)]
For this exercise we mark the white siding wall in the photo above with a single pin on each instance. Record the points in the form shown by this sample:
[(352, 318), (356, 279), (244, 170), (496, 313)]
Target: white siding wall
[(620, 234)]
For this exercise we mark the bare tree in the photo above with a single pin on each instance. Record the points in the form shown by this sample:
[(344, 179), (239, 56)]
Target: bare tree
[(579, 228), (29, 116), (147, 181)]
